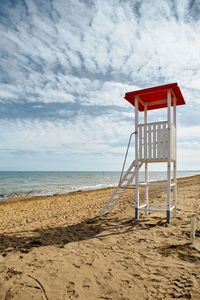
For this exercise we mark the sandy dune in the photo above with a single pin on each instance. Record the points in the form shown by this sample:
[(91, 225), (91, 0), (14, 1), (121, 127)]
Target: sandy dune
[(57, 248)]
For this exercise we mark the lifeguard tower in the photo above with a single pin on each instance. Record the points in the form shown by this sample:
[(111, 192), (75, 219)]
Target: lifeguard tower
[(154, 143)]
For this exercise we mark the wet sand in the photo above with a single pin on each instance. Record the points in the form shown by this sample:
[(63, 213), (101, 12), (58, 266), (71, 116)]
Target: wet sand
[(57, 247)]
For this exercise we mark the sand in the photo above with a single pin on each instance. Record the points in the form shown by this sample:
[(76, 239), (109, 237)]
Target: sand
[(57, 248)]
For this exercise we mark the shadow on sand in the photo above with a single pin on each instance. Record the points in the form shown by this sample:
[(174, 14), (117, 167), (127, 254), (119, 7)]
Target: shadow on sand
[(60, 236)]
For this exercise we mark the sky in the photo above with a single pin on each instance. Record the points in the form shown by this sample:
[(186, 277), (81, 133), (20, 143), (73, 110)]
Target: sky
[(65, 66)]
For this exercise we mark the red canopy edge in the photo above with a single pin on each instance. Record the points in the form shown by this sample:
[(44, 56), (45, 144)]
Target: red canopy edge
[(155, 97)]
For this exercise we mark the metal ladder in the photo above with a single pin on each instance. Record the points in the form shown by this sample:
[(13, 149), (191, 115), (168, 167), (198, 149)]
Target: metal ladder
[(124, 182)]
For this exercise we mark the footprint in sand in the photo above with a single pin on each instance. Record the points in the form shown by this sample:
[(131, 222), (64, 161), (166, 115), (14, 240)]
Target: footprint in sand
[(86, 283), (71, 292), (125, 264)]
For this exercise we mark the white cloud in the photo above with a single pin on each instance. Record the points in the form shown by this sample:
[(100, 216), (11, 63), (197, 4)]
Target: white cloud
[(87, 55)]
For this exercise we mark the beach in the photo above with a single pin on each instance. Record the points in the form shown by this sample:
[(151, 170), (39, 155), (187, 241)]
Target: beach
[(56, 247)]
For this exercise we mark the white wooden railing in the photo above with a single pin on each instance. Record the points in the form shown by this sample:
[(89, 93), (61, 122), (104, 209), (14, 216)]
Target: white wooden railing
[(153, 141)]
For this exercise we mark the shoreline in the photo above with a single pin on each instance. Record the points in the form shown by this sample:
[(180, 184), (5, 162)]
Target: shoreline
[(31, 197), (53, 183)]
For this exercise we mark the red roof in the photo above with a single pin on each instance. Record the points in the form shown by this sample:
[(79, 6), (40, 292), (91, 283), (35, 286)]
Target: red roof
[(155, 94)]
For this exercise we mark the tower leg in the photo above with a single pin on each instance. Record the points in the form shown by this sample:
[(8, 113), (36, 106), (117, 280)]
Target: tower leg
[(175, 189), (146, 188), (169, 150), (136, 162), (168, 206), (168, 217), (137, 195), (136, 214)]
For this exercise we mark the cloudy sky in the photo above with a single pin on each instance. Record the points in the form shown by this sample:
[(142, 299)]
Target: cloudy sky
[(65, 66)]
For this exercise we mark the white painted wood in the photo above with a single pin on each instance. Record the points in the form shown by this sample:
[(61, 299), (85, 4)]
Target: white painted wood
[(155, 184), (168, 204), (165, 140), (159, 140), (175, 186), (153, 209), (140, 138), (154, 141), (165, 144), (162, 141), (149, 142), (155, 160), (145, 132), (146, 156), (172, 208), (152, 123), (173, 142), (174, 163), (119, 190), (174, 111), (143, 205), (136, 162)]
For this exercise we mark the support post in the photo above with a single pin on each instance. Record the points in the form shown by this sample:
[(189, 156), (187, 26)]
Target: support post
[(168, 204), (146, 164), (174, 165), (136, 163)]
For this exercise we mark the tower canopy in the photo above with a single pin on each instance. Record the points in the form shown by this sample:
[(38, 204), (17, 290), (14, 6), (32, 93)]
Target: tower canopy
[(155, 97)]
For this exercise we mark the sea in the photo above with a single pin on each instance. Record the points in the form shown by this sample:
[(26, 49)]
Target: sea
[(38, 183)]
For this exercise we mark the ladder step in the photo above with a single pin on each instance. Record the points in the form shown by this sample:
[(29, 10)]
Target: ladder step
[(143, 184), (120, 189), (161, 209)]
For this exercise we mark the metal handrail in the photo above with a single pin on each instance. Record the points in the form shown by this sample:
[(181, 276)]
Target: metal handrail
[(126, 156)]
